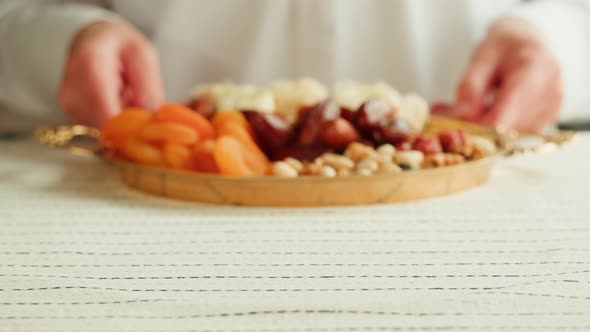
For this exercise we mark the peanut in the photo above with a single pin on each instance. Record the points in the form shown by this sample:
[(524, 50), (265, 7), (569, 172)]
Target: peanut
[(358, 151), (370, 165), (442, 159), (364, 172), (283, 169), (389, 168), (386, 150), (409, 159), (337, 161), (296, 164), (328, 171), (482, 146)]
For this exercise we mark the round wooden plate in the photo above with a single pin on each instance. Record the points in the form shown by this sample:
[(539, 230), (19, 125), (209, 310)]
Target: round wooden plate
[(306, 191), (302, 191)]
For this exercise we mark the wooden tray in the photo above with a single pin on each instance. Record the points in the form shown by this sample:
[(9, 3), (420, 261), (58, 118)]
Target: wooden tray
[(306, 191)]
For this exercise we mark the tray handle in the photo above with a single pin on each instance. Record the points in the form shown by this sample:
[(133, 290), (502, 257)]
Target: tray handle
[(515, 143), (77, 139)]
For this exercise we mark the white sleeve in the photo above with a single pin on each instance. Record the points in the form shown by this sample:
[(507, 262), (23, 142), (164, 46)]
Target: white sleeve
[(35, 37), (566, 27)]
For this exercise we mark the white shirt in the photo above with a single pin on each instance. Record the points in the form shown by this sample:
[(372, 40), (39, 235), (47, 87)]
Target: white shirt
[(419, 46)]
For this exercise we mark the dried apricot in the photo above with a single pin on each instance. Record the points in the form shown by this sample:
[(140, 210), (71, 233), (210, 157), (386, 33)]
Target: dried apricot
[(140, 152), (177, 156), (168, 133), (176, 113), (240, 133), (203, 159), (126, 124), (234, 159), (221, 118)]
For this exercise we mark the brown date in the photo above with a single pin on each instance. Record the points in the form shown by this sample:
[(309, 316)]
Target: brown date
[(312, 121), (303, 110), (272, 131), (394, 131), (428, 145), (203, 105), (372, 115), (348, 114), (339, 133)]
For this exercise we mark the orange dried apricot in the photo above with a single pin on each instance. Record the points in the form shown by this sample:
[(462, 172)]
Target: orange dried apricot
[(241, 134), (176, 113), (126, 124), (203, 159), (168, 133), (236, 131), (221, 118), (235, 159), (140, 152), (177, 156)]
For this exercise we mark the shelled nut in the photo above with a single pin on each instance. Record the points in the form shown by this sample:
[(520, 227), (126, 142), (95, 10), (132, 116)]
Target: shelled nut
[(344, 172), (337, 161), (442, 159), (296, 164), (358, 151), (482, 147), (328, 171), (409, 159), (283, 169), (386, 150), (367, 165), (453, 159), (433, 160), (313, 168), (389, 168), (364, 172)]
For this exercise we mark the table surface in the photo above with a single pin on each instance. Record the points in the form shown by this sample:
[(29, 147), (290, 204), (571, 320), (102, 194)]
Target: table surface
[(81, 252)]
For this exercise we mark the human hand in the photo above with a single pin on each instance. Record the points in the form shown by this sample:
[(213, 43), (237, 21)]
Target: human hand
[(110, 66), (513, 80)]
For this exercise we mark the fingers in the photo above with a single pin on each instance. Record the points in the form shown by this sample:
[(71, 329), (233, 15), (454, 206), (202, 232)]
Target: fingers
[(507, 105), (90, 91), (110, 66), (142, 73), (478, 80), (529, 96)]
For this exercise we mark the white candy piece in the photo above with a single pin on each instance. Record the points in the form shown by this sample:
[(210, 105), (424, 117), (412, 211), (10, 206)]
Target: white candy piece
[(290, 96), (231, 97), (415, 110), (353, 94)]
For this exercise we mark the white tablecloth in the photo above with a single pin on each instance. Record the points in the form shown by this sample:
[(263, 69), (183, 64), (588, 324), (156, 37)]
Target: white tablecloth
[(81, 252)]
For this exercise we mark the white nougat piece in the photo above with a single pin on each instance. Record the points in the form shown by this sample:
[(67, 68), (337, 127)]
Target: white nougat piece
[(353, 94), (231, 97), (290, 96), (415, 110)]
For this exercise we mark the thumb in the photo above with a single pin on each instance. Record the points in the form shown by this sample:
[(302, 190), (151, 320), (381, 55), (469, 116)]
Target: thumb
[(142, 75)]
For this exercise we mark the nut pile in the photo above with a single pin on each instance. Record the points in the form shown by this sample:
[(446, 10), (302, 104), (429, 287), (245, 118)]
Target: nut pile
[(362, 159)]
